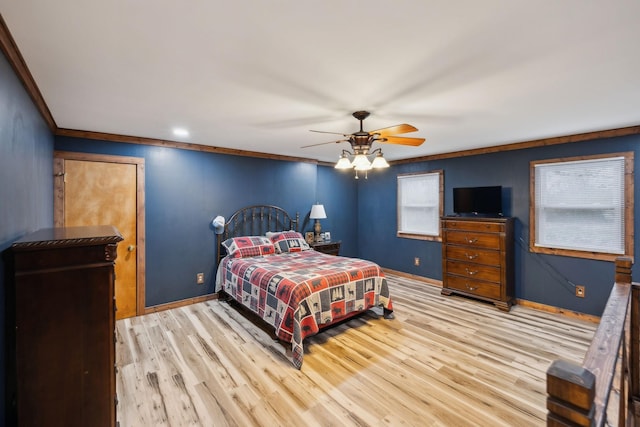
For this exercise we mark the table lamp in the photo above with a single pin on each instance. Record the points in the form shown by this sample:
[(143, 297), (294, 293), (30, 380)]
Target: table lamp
[(317, 213)]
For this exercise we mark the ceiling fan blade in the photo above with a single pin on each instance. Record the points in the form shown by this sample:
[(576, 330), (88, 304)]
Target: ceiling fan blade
[(332, 133), (323, 143), (400, 140), (394, 130)]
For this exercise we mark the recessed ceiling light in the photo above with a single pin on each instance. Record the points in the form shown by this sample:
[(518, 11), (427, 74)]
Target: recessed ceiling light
[(181, 132)]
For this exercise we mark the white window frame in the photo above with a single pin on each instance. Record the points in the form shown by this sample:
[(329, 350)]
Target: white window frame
[(419, 212), (575, 202)]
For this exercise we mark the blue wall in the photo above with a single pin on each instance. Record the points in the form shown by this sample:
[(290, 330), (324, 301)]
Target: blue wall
[(539, 278), (186, 189), (338, 192), (26, 179)]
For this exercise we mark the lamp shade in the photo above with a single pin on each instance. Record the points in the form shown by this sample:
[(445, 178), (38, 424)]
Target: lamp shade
[(363, 167), (343, 163), (379, 162), (360, 162), (317, 212)]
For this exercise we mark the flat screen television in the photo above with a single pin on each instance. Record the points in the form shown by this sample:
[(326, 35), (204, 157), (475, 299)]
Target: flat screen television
[(480, 201)]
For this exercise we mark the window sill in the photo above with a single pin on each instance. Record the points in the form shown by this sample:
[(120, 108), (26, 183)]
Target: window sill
[(417, 236)]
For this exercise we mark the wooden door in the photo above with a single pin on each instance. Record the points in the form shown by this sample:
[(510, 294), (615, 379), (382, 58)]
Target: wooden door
[(104, 190)]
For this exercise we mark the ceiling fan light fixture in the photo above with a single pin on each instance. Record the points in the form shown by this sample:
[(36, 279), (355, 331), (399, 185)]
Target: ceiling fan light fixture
[(379, 162), (361, 142), (344, 162), (361, 162), (362, 168)]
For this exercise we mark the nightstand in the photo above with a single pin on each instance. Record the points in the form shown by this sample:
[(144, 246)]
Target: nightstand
[(327, 247)]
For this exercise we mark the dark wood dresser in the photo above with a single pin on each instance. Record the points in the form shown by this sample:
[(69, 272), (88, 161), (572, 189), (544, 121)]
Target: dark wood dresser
[(62, 328), (477, 259)]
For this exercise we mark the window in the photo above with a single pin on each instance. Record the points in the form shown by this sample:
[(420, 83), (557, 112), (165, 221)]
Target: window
[(583, 207), (420, 205)]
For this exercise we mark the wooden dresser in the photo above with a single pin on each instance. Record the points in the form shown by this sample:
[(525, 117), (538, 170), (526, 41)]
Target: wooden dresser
[(477, 259), (61, 337)]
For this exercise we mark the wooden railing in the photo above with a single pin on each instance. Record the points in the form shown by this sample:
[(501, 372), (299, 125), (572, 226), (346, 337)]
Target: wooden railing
[(578, 395)]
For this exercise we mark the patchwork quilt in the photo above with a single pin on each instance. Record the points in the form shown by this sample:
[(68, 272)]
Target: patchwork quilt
[(299, 292)]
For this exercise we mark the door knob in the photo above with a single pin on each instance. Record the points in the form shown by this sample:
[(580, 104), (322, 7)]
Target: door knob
[(130, 248)]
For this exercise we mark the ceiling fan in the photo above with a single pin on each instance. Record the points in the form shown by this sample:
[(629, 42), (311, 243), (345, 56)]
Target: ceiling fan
[(361, 144)]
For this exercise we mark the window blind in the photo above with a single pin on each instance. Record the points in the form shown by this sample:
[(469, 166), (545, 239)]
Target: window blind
[(419, 204), (579, 205)]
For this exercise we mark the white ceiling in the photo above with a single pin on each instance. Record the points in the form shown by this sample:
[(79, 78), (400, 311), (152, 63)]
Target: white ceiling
[(257, 75)]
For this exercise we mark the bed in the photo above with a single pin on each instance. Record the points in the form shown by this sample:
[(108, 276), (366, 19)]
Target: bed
[(266, 266)]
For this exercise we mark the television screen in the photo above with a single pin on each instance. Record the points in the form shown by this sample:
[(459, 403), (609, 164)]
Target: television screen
[(477, 200)]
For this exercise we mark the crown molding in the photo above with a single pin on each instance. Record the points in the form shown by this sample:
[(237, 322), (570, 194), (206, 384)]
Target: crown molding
[(111, 137), (587, 136)]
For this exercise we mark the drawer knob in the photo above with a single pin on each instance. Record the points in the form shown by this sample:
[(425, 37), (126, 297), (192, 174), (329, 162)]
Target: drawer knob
[(471, 256), (470, 272), (473, 240), (471, 288)]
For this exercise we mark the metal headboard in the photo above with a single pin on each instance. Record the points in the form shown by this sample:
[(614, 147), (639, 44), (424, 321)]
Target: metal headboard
[(256, 221)]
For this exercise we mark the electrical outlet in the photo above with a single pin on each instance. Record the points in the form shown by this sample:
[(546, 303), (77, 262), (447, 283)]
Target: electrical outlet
[(200, 278), (416, 261), (580, 291)]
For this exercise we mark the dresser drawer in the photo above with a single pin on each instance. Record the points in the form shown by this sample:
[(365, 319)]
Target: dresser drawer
[(480, 240), (492, 227), (471, 254), (474, 287), (474, 271)]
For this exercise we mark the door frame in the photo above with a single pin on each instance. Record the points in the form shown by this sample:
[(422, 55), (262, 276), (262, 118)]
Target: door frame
[(59, 158)]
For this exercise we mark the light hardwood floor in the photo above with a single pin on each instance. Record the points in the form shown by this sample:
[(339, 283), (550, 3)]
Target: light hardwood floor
[(443, 361)]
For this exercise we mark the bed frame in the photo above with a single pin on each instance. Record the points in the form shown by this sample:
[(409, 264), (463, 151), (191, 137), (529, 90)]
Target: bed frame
[(256, 220), (253, 220)]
